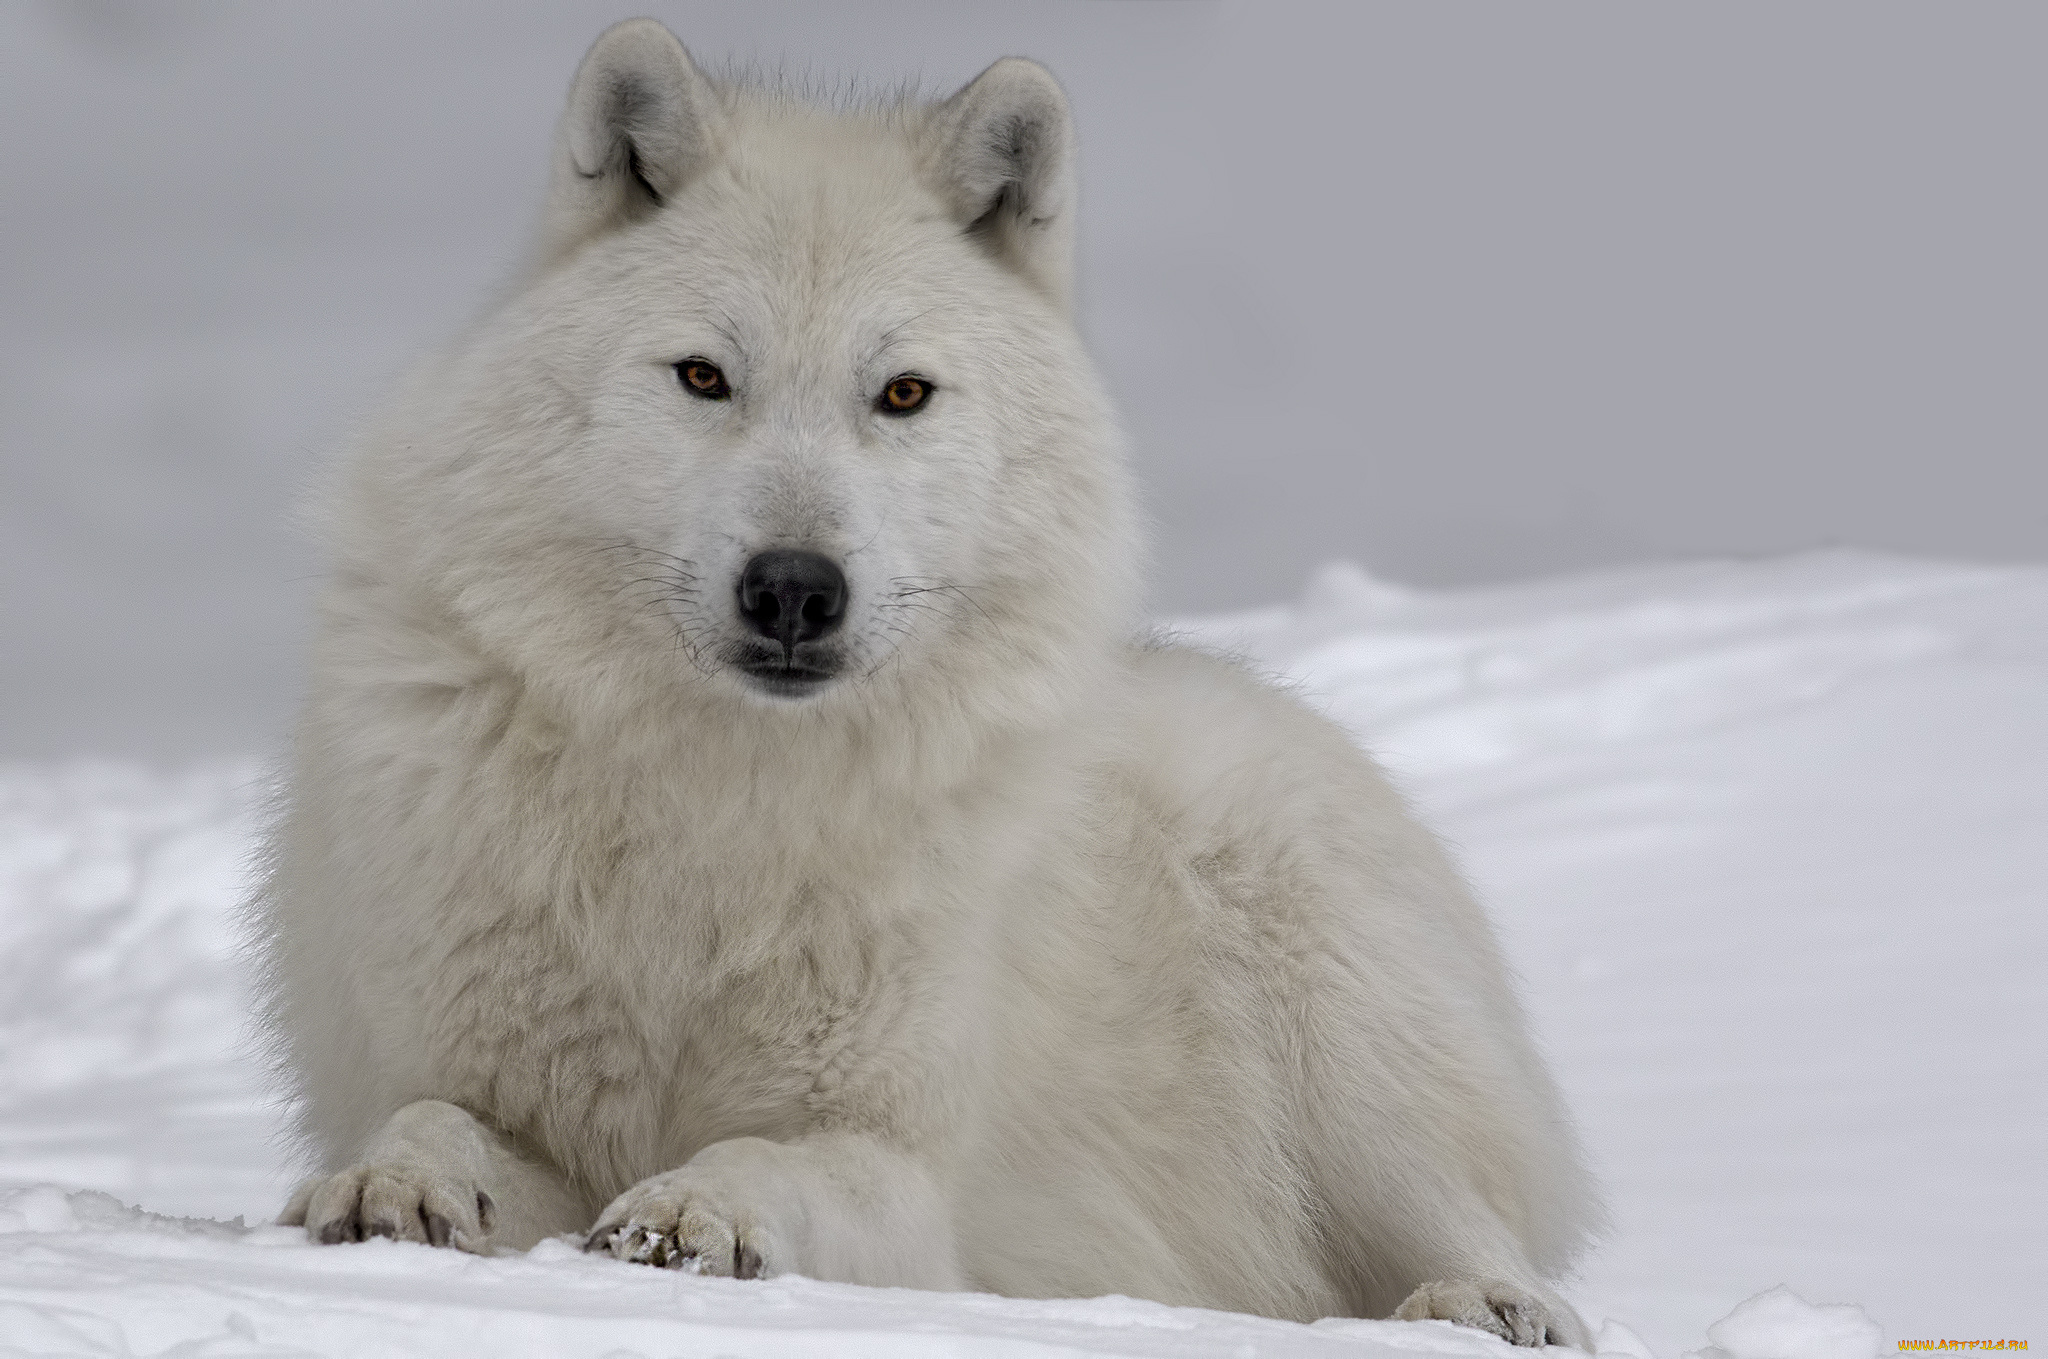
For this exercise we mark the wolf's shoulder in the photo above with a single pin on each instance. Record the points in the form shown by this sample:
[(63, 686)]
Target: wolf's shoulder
[(1220, 750), (1217, 705)]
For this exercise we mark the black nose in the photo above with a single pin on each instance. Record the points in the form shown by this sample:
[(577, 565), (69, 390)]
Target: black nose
[(792, 597)]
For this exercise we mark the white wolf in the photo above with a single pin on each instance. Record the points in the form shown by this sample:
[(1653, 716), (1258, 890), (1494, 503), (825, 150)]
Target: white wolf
[(731, 818)]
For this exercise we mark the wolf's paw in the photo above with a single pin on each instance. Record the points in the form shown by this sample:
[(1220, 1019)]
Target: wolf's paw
[(401, 1202), (688, 1219), (1514, 1314)]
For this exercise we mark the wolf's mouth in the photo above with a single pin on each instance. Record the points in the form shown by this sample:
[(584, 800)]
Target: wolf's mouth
[(786, 676)]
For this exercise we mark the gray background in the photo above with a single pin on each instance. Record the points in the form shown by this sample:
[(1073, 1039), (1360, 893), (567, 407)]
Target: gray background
[(1462, 292)]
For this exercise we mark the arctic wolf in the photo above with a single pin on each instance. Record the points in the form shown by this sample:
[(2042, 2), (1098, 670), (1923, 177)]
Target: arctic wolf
[(733, 821)]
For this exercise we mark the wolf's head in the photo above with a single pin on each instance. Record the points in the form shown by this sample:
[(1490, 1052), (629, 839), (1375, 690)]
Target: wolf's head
[(787, 415)]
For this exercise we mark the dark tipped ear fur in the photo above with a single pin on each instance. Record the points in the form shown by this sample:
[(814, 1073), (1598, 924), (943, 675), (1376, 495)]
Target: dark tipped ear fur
[(640, 123), (1003, 157)]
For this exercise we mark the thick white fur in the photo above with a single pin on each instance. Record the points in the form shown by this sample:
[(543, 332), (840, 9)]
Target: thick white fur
[(1026, 957)]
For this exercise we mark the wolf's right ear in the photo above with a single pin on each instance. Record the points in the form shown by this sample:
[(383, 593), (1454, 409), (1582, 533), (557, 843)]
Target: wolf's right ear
[(640, 123)]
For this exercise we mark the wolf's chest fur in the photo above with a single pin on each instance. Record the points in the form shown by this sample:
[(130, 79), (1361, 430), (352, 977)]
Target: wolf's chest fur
[(621, 1042)]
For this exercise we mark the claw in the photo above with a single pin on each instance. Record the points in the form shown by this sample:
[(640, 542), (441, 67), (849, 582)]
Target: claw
[(294, 1214)]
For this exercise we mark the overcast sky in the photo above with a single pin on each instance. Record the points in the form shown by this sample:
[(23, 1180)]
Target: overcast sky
[(1462, 292)]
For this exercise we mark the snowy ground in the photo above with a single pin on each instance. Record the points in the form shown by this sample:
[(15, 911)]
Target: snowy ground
[(1768, 844)]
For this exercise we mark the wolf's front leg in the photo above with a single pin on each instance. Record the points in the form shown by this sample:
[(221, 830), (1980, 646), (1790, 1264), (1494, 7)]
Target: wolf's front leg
[(843, 1206), (434, 1174)]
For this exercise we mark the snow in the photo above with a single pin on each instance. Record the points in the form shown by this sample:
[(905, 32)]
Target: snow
[(1765, 842), (1781, 1323)]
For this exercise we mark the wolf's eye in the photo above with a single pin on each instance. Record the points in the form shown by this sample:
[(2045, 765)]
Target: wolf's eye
[(904, 394), (700, 377)]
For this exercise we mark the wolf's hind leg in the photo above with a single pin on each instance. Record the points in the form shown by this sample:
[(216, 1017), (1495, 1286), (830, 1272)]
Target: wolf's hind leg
[(434, 1174), (1450, 1255), (1446, 1168)]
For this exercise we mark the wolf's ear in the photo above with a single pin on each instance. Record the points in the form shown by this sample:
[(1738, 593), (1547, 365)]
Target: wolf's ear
[(1003, 157), (640, 123)]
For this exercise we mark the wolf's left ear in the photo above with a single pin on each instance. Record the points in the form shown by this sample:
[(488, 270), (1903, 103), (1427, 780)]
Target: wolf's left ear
[(1003, 156), (640, 123)]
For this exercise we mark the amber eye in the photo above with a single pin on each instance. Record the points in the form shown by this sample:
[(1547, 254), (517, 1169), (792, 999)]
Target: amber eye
[(904, 394), (702, 378)]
